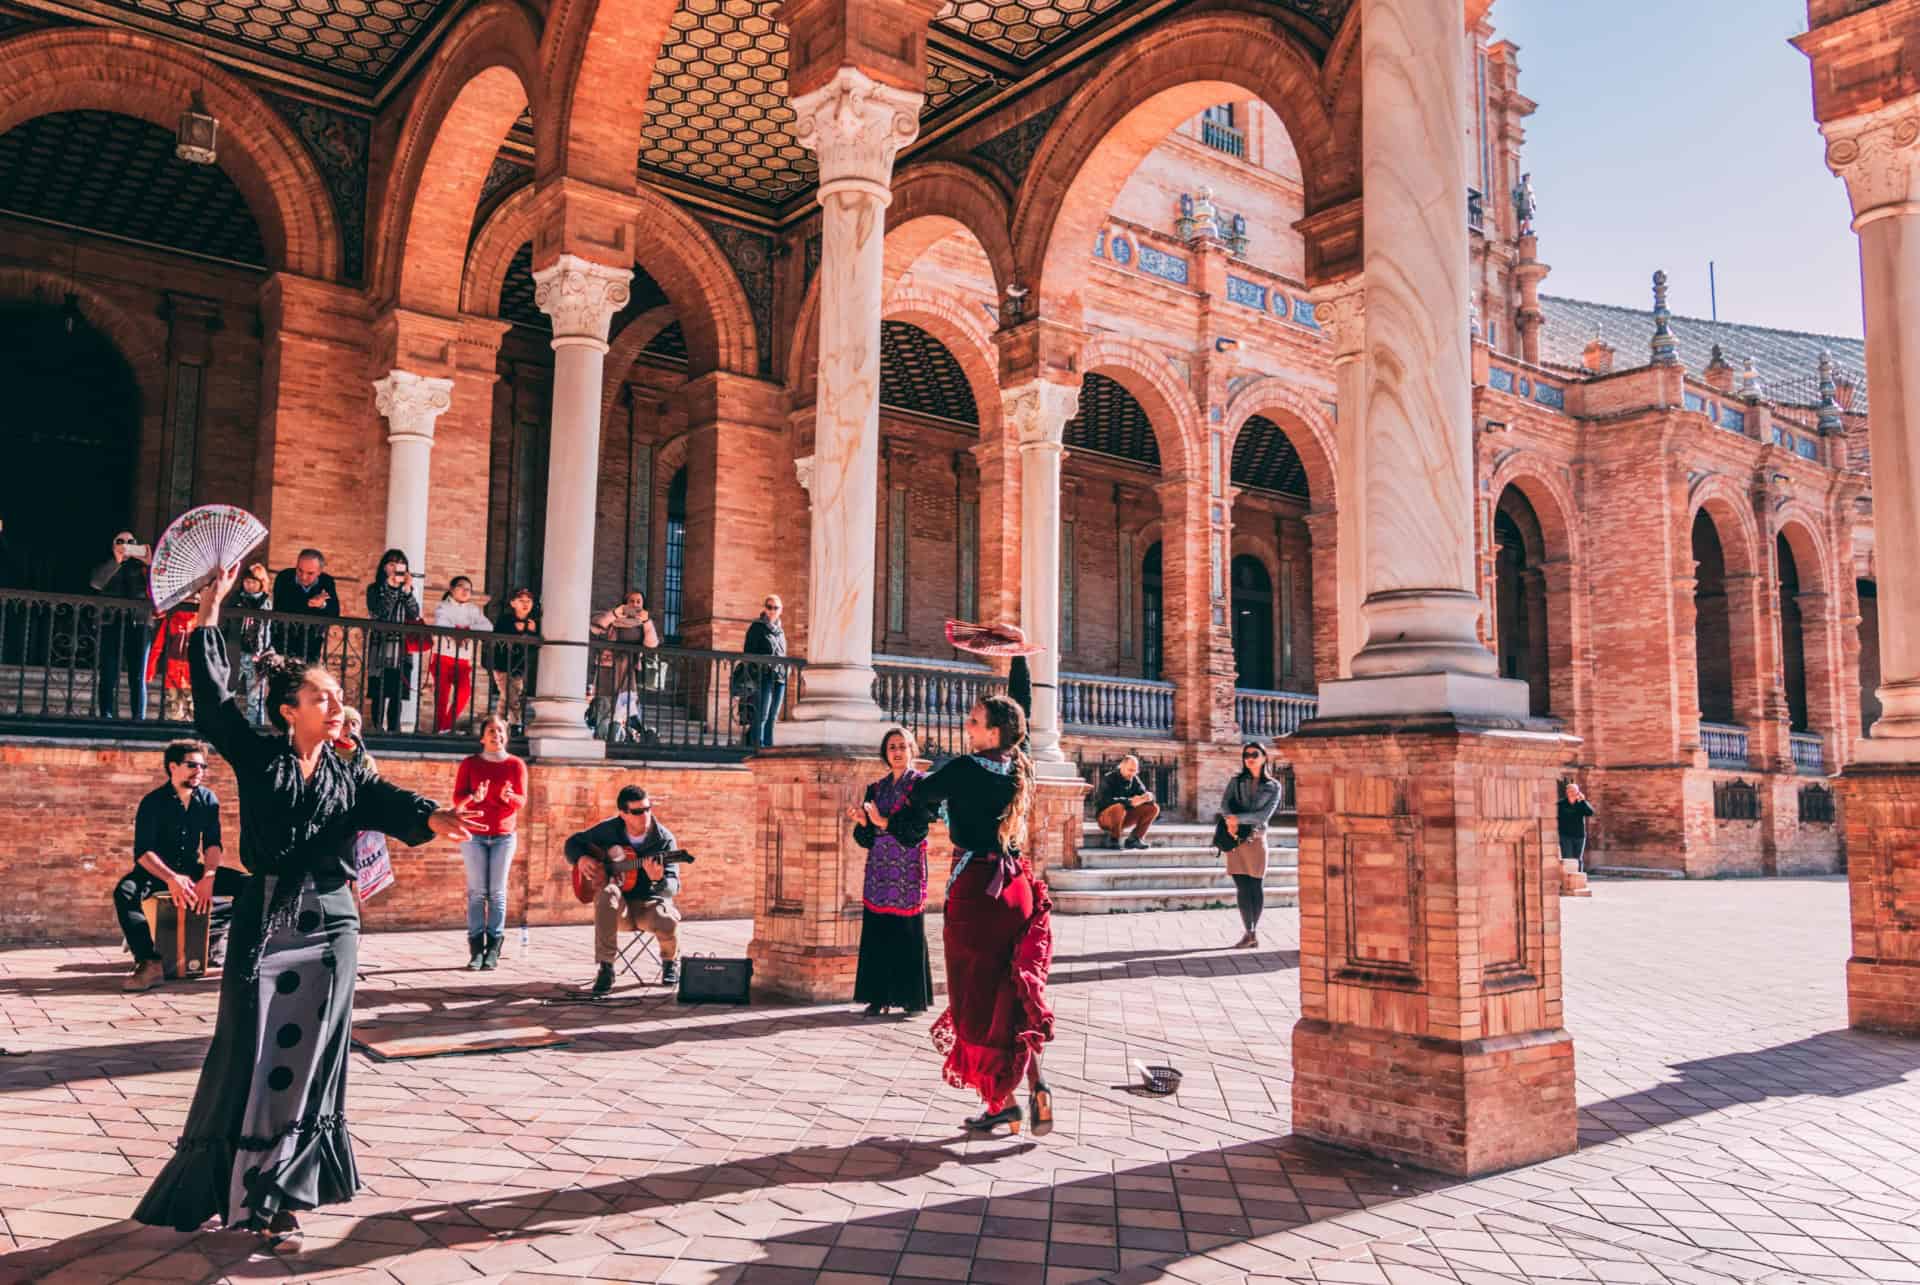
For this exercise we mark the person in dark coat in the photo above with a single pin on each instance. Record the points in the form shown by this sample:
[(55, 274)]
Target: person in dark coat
[(1573, 813), (266, 1135), (765, 637), (304, 589), (389, 665), (894, 971), (1249, 803), (513, 666), (125, 632)]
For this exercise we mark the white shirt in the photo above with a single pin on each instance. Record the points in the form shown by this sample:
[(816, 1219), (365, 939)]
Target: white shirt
[(461, 615)]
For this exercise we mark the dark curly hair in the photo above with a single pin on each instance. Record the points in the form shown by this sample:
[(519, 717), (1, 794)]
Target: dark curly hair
[(285, 675), (1005, 716)]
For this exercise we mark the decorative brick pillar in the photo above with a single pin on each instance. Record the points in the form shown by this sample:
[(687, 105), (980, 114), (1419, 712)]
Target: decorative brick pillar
[(806, 909), (191, 324), (1431, 1030), (736, 460)]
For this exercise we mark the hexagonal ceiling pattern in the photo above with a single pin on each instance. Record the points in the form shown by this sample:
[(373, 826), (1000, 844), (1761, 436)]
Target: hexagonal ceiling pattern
[(1263, 458), (1111, 422), (118, 175), (1021, 28), (360, 39)]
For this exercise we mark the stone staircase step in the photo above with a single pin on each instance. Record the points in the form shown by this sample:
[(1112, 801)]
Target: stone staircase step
[(1280, 893), (1171, 878), (1186, 834), (1210, 858)]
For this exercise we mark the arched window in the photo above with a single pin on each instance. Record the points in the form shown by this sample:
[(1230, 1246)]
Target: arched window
[(1793, 652), (675, 573), (1712, 625), (1151, 613), (1252, 624), (1520, 598)]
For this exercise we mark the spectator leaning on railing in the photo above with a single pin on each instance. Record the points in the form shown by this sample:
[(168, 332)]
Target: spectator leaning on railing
[(305, 589), (453, 658)]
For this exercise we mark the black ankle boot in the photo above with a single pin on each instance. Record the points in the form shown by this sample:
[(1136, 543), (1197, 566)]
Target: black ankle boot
[(491, 958), (476, 950), (603, 979)]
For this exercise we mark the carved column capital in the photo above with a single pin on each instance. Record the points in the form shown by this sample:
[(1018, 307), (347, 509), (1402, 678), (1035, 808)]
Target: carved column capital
[(1341, 311), (411, 403), (855, 126), (1036, 413), (803, 470), (1875, 154), (581, 297)]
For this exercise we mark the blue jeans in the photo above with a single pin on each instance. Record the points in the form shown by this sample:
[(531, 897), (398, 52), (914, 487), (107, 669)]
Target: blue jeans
[(487, 857), (766, 710)]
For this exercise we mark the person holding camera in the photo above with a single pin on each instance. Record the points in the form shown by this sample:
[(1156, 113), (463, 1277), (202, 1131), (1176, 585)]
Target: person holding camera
[(176, 850), (633, 835), (389, 661), (621, 674), (125, 632), (1573, 812)]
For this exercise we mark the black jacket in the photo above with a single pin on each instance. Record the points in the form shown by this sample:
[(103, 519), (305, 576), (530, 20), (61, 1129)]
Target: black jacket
[(126, 579), (1573, 817), (290, 599), (1250, 802), (515, 660), (1115, 788), (611, 833)]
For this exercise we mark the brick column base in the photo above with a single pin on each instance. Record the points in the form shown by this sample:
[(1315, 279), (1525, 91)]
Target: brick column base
[(1431, 1024), (1053, 827), (1880, 807), (809, 871)]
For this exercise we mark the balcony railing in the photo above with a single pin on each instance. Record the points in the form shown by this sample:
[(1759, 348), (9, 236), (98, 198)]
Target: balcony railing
[(1223, 138), (1263, 715), (931, 698), (62, 657), (1102, 705), (1809, 753), (1476, 211), (1726, 745), (673, 702)]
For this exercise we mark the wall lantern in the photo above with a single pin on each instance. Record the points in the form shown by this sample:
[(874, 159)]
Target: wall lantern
[(199, 135)]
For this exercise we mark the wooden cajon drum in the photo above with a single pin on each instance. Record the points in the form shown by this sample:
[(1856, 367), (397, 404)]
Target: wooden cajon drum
[(179, 935)]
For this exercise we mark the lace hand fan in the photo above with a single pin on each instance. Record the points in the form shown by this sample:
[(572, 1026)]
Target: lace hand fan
[(199, 545), (990, 640)]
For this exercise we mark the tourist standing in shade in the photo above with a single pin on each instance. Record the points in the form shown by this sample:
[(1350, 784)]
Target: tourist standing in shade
[(124, 631), (453, 657), (305, 589), (765, 637), (267, 1132), (1251, 797), (389, 662), (489, 789), (1573, 812), (1125, 803), (998, 926), (512, 666), (893, 970)]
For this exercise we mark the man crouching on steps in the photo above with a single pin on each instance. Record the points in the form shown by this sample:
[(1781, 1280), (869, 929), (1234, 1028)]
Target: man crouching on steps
[(649, 905)]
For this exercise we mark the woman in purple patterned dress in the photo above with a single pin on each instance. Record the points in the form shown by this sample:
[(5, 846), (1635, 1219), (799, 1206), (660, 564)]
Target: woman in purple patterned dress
[(894, 971)]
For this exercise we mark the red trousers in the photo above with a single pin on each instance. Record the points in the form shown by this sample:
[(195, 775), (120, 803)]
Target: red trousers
[(452, 688)]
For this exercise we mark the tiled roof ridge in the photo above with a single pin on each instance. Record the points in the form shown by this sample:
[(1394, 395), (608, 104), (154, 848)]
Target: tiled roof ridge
[(1705, 321)]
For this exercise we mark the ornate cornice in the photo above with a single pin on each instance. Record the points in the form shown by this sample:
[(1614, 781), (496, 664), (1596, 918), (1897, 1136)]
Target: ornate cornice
[(856, 126), (1875, 155), (581, 297), (411, 403)]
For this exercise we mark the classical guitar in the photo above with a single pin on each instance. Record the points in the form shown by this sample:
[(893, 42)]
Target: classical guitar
[(594, 871)]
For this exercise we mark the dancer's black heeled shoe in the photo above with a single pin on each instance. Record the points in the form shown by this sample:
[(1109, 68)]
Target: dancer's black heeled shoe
[(875, 1010), (1040, 1109), (1008, 1115)]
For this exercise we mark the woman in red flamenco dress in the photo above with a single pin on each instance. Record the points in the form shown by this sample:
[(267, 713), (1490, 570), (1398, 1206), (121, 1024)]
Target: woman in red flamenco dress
[(998, 926)]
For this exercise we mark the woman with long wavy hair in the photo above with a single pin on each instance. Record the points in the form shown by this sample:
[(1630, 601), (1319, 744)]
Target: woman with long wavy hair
[(998, 927)]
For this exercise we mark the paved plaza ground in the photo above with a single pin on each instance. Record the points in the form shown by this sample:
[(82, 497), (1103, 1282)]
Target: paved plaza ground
[(1732, 1128)]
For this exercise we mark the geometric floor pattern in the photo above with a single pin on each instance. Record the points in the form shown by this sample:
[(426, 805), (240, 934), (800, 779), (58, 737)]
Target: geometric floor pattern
[(1732, 1128)]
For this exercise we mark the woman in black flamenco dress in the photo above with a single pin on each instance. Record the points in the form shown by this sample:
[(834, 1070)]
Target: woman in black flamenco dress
[(267, 1133)]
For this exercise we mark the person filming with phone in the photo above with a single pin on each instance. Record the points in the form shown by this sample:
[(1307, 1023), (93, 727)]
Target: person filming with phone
[(125, 632), (632, 846)]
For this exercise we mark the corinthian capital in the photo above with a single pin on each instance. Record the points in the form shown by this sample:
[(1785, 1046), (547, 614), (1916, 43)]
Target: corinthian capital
[(581, 296), (1341, 311), (1036, 413), (1876, 156), (803, 470), (411, 403), (856, 125)]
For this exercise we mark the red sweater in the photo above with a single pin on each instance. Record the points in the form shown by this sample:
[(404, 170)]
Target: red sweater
[(483, 785)]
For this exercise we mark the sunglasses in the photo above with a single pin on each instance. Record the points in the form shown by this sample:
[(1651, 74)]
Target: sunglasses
[(1250, 756), (637, 812), (194, 766), (118, 541)]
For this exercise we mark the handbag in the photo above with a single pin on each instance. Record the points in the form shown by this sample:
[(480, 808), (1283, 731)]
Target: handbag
[(1222, 840), (710, 979)]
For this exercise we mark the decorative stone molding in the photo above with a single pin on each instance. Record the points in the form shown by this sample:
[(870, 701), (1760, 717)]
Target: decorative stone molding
[(581, 297), (1341, 311), (856, 126), (411, 403), (1875, 155), (803, 470), (1036, 414)]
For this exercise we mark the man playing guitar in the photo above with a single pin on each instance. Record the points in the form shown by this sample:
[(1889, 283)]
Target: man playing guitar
[(627, 853)]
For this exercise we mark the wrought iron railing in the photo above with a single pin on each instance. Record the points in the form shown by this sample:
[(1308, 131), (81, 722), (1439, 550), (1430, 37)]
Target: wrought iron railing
[(1816, 805), (1222, 137), (1736, 801), (1476, 211), (678, 702), (1809, 753), (930, 698), (1726, 745), (1263, 715), (1102, 705)]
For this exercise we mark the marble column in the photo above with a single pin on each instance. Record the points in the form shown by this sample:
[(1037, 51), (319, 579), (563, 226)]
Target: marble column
[(581, 297), (1422, 647), (410, 404), (1878, 155), (1035, 415), (854, 125), (1341, 311)]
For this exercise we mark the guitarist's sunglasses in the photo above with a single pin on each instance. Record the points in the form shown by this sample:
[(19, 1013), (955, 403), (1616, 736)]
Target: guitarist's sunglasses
[(640, 811)]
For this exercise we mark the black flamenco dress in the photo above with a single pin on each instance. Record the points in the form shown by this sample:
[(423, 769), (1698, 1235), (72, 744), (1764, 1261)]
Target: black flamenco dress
[(894, 971), (267, 1131)]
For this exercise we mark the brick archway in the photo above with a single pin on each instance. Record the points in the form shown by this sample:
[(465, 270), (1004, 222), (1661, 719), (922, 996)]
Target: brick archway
[(1733, 606), (135, 75), (1162, 394), (477, 84), (948, 320), (597, 61), (1146, 88), (624, 349), (1306, 425), (1533, 476), (509, 227)]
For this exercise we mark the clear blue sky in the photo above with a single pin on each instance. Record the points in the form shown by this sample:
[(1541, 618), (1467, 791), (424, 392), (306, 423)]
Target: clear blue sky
[(1670, 134)]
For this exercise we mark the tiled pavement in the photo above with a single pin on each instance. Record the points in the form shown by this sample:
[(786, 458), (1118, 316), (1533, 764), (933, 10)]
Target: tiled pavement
[(1732, 1128)]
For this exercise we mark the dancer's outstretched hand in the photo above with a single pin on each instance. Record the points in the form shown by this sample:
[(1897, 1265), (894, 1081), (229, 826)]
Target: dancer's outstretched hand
[(449, 824)]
